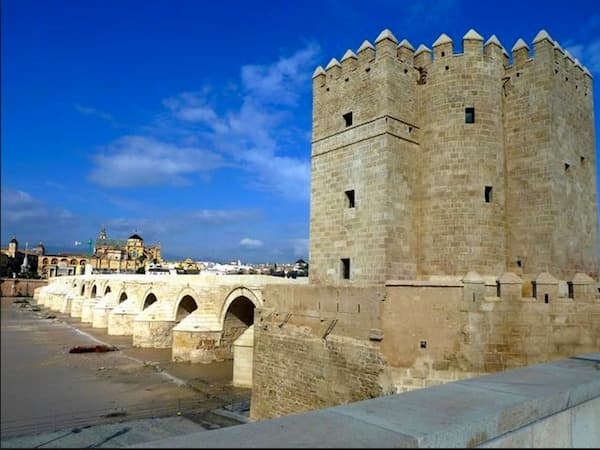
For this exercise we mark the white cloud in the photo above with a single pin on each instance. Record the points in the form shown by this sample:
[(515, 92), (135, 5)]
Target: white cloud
[(585, 46), (87, 111), (222, 216), (250, 243), (278, 83), (20, 208), (33, 220), (588, 54), (254, 130), (143, 161), (300, 247)]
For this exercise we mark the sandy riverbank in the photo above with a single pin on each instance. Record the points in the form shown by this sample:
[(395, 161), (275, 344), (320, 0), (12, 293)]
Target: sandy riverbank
[(45, 388)]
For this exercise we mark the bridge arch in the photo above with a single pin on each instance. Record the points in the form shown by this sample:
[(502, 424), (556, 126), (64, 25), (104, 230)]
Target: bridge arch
[(107, 289), (237, 315), (187, 302), (122, 296), (93, 291), (149, 299)]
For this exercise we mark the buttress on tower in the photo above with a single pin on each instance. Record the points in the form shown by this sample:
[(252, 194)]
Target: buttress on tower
[(435, 163)]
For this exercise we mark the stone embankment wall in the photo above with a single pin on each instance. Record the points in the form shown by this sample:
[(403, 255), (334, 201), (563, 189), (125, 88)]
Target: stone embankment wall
[(318, 346), (19, 287)]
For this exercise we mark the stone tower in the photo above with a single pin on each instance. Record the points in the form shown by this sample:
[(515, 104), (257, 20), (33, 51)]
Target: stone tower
[(435, 163)]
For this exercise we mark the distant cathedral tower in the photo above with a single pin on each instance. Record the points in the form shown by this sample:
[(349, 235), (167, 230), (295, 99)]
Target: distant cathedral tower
[(13, 247)]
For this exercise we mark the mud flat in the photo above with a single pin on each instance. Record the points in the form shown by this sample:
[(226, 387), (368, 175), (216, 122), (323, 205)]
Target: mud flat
[(53, 398)]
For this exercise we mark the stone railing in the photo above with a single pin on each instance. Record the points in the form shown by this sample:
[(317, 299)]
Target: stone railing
[(556, 404)]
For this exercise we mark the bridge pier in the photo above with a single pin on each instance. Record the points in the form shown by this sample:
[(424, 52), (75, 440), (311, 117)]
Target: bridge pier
[(120, 319), (197, 339), (102, 310)]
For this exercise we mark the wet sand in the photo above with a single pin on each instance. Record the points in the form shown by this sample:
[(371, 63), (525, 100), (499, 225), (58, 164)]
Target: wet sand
[(46, 388)]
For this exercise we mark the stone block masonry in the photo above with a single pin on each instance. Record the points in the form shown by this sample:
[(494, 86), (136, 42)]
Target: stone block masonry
[(437, 163)]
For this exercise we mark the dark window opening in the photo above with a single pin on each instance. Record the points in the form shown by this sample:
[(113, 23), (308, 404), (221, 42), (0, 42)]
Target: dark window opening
[(469, 115), (519, 263), (545, 298), (567, 165), (443, 53), (488, 194), (423, 344), (518, 74), (582, 159), (447, 67), (570, 286), (346, 80), (534, 289), (350, 197), (368, 69), (348, 118), (346, 268)]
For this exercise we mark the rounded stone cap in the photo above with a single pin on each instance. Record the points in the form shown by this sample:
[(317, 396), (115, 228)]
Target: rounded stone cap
[(349, 55), (386, 34), (543, 34), (443, 39), (582, 278), (365, 45), (422, 48), (519, 45), (545, 278), (318, 71), (510, 278), (493, 40), (472, 277), (333, 63), (472, 35), (406, 44)]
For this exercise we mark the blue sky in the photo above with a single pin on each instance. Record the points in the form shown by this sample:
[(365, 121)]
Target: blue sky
[(189, 122)]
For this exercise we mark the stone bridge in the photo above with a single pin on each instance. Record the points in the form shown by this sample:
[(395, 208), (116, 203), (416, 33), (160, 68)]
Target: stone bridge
[(198, 316)]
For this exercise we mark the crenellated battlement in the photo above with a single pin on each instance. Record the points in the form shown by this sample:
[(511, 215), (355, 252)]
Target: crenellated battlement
[(545, 50)]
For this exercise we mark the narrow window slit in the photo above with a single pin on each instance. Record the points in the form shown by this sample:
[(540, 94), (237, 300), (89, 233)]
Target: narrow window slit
[(346, 268), (348, 118), (350, 198), (469, 115), (488, 194)]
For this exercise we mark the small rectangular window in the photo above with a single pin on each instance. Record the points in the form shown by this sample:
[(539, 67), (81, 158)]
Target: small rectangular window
[(348, 118), (346, 268), (350, 198), (469, 115), (488, 194)]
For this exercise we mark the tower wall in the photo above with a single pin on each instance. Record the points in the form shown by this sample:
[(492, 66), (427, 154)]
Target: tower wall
[(460, 230), (434, 195), (551, 190), (375, 158)]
